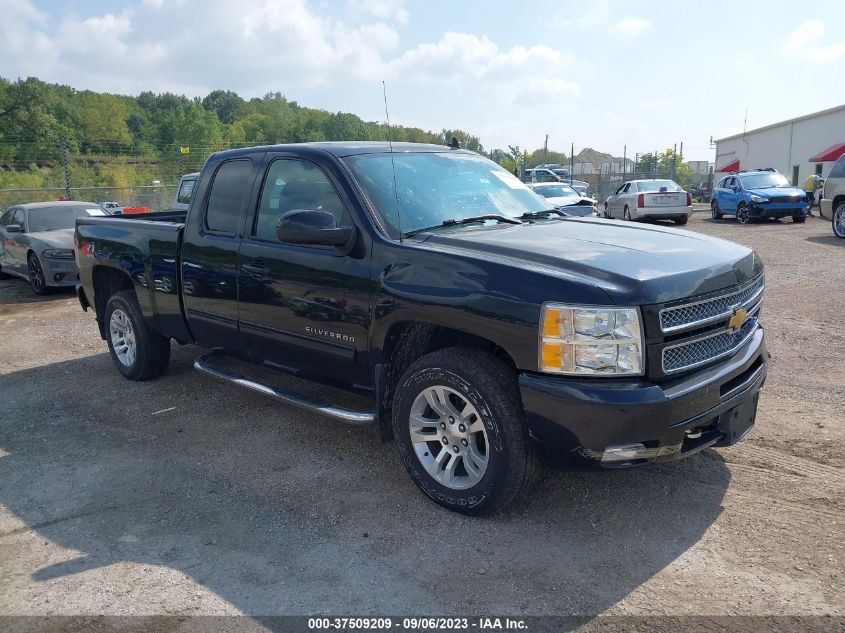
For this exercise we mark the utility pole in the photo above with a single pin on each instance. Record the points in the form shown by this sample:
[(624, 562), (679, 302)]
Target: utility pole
[(674, 160), (571, 162), (546, 150), (66, 169), (624, 161)]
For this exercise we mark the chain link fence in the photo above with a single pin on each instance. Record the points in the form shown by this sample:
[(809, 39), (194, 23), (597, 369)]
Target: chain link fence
[(154, 197)]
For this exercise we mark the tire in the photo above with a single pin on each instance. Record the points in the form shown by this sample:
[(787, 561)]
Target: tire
[(626, 215), (714, 211), (136, 351), (36, 275), (742, 214), (491, 457), (681, 221), (839, 221), (799, 219), (606, 211)]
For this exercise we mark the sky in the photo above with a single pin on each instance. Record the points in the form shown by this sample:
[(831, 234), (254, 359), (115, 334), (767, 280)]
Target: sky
[(604, 74)]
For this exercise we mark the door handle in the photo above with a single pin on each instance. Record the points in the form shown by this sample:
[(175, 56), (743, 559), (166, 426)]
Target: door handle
[(256, 266)]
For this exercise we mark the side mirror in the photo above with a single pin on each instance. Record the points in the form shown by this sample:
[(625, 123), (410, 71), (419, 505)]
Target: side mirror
[(14, 228), (313, 228)]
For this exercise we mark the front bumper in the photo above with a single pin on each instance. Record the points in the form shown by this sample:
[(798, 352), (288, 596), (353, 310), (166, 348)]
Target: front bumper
[(777, 211), (60, 273), (714, 406)]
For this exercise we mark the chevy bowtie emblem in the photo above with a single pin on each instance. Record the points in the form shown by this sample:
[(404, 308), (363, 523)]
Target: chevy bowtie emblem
[(737, 319)]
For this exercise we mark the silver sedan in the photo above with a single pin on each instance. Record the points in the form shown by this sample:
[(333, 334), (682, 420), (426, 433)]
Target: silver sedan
[(36, 242)]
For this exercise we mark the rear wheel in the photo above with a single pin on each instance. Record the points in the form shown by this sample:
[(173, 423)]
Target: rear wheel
[(839, 221), (681, 220), (714, 211), (461, 430), (137, 352), (742, 214), (36, 275)]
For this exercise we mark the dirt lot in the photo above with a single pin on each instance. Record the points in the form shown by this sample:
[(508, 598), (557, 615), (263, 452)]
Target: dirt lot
[(188, 496)]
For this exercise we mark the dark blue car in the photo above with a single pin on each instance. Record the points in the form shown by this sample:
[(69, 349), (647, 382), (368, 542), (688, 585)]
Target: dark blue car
[(758, 194)]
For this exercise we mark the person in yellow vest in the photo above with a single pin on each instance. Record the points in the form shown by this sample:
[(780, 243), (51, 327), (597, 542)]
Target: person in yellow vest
[(811, 185)]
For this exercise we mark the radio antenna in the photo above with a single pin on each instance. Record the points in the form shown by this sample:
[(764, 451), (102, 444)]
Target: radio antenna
[(392, 163)]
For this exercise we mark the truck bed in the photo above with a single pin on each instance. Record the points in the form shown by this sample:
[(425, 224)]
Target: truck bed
[(146, 247)]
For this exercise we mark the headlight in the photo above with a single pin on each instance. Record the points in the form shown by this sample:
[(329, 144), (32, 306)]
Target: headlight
[(58, 253), (588, 340), (759, 199)]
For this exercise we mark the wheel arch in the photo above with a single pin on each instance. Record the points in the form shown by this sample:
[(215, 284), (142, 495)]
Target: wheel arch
[(108, 281), (406, 341)]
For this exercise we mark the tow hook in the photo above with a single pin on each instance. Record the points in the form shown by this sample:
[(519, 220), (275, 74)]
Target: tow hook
[(693, 434)]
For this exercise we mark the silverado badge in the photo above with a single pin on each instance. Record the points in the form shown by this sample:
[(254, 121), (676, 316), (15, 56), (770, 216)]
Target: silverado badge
[(737, 319)]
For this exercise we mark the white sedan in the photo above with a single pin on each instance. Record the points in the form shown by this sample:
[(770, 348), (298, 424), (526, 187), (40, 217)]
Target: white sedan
[(655, 199)]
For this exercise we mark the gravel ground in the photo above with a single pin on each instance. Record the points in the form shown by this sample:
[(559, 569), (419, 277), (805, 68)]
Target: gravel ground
[(187, 496)]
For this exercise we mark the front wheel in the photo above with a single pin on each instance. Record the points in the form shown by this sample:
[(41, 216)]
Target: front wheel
[(137, 352), (742, 215), (36, 275), (839, 221), (799, 219), (606, 211), (461, 431)]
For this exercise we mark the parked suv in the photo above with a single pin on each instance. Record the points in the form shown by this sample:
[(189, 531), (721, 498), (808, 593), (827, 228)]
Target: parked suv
[(758, 194), (833, 197), (539, 174)]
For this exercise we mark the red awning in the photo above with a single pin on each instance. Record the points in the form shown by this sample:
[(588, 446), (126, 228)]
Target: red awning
[(732, 166), (832, 153)]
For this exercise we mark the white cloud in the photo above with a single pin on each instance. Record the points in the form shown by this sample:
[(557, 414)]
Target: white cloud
[(631, 26), (383, 9), (658, 104), (803, 43), (597, 16), (320, 57)]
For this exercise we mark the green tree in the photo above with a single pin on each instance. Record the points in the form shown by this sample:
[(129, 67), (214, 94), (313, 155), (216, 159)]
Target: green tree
[(227, 104)]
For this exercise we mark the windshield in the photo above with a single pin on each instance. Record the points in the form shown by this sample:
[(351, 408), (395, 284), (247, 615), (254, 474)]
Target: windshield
[(557, 191), (433, 187), (658, 185), (53, 218), (765, 180)]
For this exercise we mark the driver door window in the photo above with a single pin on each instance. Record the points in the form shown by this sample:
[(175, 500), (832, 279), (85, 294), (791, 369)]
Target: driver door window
[(295, 184)]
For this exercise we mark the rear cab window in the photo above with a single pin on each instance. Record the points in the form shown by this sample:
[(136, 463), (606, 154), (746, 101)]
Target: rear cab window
[(229, 196)]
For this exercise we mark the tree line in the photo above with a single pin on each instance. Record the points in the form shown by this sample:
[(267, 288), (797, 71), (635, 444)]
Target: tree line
[(117, 140)]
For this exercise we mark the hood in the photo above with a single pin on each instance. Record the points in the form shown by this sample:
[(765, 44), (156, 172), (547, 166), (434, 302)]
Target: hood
[(634, 264), (60, 238), (778, 192)]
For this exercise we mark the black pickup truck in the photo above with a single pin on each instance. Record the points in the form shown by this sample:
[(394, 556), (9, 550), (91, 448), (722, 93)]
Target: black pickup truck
[(484, 329)]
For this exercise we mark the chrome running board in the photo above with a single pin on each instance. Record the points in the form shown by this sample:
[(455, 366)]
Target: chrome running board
[(205, 363)]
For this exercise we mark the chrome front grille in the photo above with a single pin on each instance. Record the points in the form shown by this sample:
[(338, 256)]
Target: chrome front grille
[(699, 313), (702, 350)]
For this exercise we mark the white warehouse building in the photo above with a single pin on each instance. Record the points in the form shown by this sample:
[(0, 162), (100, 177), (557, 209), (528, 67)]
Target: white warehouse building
[(797, 148)]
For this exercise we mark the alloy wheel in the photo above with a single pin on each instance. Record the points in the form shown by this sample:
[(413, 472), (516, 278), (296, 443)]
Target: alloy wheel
[(123, 338), (742, 215), (839, 221), (449, 437), (36, 274)]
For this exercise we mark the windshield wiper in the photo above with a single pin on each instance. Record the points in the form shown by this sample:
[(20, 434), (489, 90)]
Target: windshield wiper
[(540, 214), (459, 221)]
